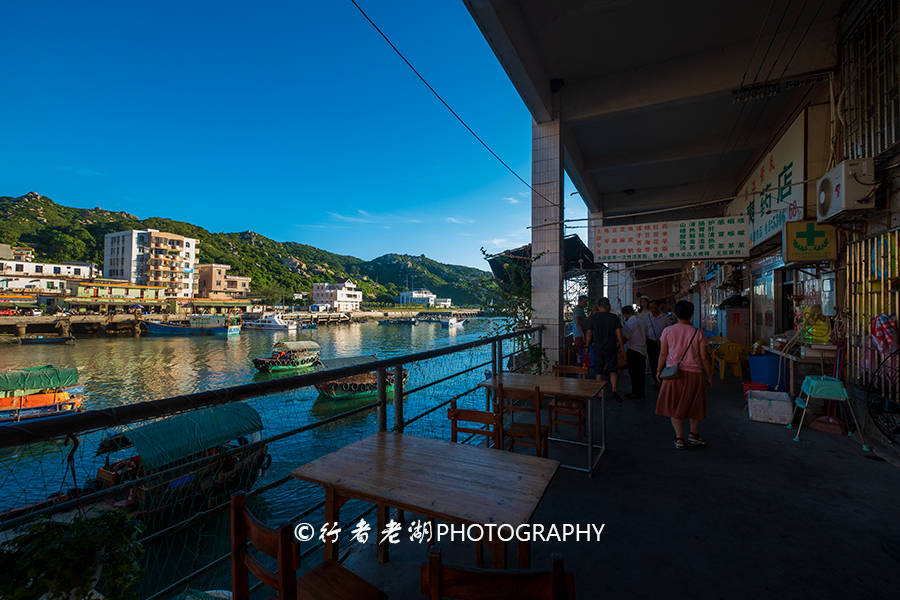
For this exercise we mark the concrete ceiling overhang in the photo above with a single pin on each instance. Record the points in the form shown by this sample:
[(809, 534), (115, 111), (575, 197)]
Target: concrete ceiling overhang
[(646, 90)]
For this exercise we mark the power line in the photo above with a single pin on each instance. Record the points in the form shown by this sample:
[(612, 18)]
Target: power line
[(446, 105)]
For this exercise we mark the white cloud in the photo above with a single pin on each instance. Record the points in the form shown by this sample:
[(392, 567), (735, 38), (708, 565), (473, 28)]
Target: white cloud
[(512, 200), (497, 241), (458, 220), (366, 217)]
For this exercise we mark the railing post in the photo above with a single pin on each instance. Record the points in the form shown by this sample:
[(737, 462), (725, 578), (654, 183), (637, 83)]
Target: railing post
[(399, 422), (539, 340), (499, 356), (382, 398), (493, 358)]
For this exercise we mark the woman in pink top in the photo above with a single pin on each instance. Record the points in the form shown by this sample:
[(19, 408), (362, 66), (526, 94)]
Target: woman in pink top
[(683, 398)]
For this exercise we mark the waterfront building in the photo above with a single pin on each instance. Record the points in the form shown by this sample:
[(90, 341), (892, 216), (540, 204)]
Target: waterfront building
[(201, 305), (215, 283), (341, 296), (6, 252), (33, 283), (154, 258), (104, 294), (419, 296), (20, 267), (443, 302)]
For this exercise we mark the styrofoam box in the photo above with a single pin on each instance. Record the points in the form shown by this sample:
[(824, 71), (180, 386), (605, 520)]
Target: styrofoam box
[(770, 407)]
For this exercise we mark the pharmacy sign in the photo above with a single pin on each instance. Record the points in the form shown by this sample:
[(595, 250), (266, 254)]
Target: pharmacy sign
[(809, 241)]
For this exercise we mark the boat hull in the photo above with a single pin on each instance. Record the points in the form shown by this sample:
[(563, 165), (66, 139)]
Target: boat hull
[(28, 406), (156, 328)]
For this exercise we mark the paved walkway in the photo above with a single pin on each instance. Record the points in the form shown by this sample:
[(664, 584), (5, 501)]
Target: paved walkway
[(755, 515)]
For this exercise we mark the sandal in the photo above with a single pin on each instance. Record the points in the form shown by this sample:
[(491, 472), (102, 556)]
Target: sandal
[(695, 440), (679, 444)]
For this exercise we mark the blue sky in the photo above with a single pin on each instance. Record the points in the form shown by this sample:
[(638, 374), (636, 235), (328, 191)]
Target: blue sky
[(293, 119)]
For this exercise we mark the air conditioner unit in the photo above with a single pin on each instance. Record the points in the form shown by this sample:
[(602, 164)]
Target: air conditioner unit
[(847, 187)]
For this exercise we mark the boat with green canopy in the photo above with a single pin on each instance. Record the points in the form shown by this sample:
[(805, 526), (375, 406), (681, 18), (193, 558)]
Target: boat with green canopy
[(38, 392), (289, 356), (361, 385), (185, 463)]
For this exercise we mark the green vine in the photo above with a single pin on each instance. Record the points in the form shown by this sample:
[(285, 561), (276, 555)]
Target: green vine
[(512, 301), (63, 559)]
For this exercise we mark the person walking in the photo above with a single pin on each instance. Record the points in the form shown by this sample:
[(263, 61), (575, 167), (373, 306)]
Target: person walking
[(684, 346), (634, 330), (604, 333), (656, 323), (579, 324)]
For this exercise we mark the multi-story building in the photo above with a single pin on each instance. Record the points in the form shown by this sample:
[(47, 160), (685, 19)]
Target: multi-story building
[(154, 258), (26, 268), (215, 283), (22, 253), (421, 296), (33, 284), (103, 294), (443, 302), (341, 296)]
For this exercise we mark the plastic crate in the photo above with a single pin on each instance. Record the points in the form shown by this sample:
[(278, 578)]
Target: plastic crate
[(770, 407)]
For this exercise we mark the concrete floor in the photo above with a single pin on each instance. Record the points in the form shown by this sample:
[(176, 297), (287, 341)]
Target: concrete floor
[(754, 515)]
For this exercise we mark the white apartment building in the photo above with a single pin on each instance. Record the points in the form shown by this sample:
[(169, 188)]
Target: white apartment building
[(423, 297), (443, 302), (21, 268), (33, 284), (341, 296), (152, 257)]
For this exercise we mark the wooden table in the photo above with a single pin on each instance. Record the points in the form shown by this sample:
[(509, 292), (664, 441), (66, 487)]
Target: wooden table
[(435, 478), (565, 387), (794, 359)]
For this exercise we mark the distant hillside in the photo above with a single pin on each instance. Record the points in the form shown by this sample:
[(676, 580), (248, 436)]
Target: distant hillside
[(61, 233)]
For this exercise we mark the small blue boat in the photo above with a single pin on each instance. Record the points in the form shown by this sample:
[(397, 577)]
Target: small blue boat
[(197, 325)]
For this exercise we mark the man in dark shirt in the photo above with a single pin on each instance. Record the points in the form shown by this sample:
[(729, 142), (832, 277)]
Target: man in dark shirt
[(604, 332)]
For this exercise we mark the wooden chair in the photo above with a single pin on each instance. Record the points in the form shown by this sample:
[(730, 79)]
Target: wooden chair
[(465, 415), (573, 409), (328, 580), (529, 434), (440, 581)]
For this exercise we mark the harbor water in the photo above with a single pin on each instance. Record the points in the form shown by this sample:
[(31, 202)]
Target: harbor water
[(117, 371)]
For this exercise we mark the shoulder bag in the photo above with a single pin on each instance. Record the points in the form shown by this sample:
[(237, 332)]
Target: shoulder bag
[(672, 372)]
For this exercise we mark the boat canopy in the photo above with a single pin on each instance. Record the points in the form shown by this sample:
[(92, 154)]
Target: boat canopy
[(347, 361), (169, 440), (38, 378), (297, 345)]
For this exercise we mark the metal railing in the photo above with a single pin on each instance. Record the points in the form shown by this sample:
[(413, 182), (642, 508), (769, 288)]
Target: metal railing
[(71, 426)]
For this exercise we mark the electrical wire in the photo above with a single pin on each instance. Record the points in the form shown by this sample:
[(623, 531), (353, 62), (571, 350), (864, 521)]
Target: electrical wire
[(447, 105)]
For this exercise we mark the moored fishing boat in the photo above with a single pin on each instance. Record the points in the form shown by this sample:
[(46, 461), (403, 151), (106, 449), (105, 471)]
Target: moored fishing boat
[(290, 355), (187, 462), (197, 325), (48, 339), (271, 323), (398, 321), (354, 386), (39, 392), (450, 322)]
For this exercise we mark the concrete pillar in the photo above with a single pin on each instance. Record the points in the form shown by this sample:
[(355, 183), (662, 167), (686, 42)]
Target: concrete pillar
[(594, 279), (547, 234), (21, 329)]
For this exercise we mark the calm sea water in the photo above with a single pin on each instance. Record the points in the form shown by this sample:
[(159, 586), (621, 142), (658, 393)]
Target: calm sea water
[(118, 371)]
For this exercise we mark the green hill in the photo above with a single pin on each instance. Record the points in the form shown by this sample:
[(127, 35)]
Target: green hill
[(61, 233)]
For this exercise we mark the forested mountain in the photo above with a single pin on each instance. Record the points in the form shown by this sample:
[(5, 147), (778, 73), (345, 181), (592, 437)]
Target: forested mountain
[(61, 233)]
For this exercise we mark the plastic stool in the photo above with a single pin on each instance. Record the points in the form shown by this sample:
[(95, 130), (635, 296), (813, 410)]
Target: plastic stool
[(824, 388)]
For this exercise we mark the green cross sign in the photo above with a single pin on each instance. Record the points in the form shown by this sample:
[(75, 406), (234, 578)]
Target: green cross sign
[(810, 234)]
